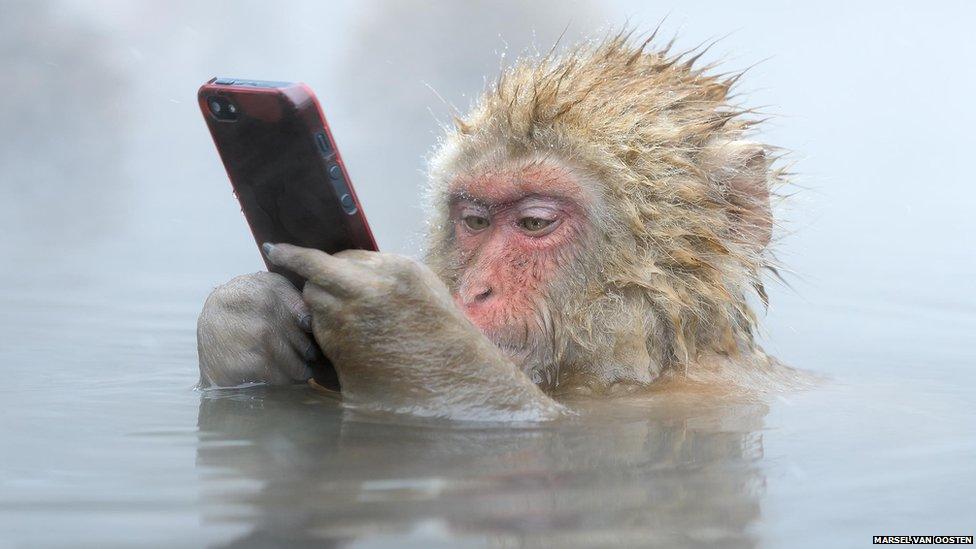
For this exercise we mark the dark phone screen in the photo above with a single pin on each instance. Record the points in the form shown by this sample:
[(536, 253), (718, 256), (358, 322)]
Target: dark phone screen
[(286, 175)]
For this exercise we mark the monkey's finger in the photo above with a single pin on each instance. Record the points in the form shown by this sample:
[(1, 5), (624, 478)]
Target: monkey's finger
[(323, 302), (289, 365), (299, 310), (329, 272), (360, 257), (326, 311), (295, 307), (302, 342)]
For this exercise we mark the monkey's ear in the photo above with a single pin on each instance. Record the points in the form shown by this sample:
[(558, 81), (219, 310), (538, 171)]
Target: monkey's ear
[(741, 169)]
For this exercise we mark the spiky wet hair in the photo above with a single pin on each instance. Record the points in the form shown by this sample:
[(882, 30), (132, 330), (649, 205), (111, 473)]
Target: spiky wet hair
[(683, 197)]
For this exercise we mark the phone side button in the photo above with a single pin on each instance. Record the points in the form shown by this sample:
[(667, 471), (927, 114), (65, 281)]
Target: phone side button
[(348, 204), (335, 172), (323, 143)]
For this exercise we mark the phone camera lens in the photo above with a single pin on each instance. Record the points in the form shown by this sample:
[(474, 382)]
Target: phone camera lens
[(222, 108)]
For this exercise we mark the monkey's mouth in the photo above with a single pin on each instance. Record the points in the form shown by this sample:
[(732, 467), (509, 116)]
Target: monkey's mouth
[(505, 341), (514, 341), (510, 348), (512, 335)]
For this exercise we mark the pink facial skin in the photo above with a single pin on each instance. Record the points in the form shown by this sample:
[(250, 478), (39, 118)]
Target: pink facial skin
[(513, 230)]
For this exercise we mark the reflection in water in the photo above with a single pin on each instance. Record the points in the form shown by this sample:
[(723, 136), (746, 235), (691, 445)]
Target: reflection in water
[(675, 470)]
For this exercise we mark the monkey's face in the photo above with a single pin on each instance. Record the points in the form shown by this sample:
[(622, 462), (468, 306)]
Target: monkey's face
[(601, 214), (517, 233)]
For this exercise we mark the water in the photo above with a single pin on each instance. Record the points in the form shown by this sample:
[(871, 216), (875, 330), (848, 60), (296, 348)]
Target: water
[(118, 221)]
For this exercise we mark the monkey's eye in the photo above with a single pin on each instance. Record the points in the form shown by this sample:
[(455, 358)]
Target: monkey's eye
[(476, 222), (534, 224)]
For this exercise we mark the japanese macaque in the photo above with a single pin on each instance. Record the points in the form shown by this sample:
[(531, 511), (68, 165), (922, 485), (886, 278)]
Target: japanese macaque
[(597, 222)]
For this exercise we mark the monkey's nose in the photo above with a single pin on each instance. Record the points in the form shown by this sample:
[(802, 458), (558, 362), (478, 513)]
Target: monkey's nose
[(484, 294), (476, 294)]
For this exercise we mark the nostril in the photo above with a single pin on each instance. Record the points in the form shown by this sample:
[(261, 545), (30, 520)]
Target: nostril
[(472, 294), (483, 295)]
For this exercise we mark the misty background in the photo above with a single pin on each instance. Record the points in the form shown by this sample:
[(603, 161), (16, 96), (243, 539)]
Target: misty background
[(106, 165)]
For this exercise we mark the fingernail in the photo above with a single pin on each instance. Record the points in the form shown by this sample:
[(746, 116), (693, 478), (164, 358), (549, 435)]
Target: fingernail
[(267, 247), (305, 323)]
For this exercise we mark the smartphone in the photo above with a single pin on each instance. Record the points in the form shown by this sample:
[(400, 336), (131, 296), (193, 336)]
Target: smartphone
[(286, 171), (284, 166)]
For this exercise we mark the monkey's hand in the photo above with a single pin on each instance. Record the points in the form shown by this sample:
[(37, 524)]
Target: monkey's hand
[(399, 343), (255, 329)]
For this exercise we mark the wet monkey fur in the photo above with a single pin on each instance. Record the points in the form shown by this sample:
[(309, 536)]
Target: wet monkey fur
[(671, 216), (598, 221)]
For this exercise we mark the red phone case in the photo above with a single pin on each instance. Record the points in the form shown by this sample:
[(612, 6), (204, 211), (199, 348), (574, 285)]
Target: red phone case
[(284, 166), (286, 172)]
